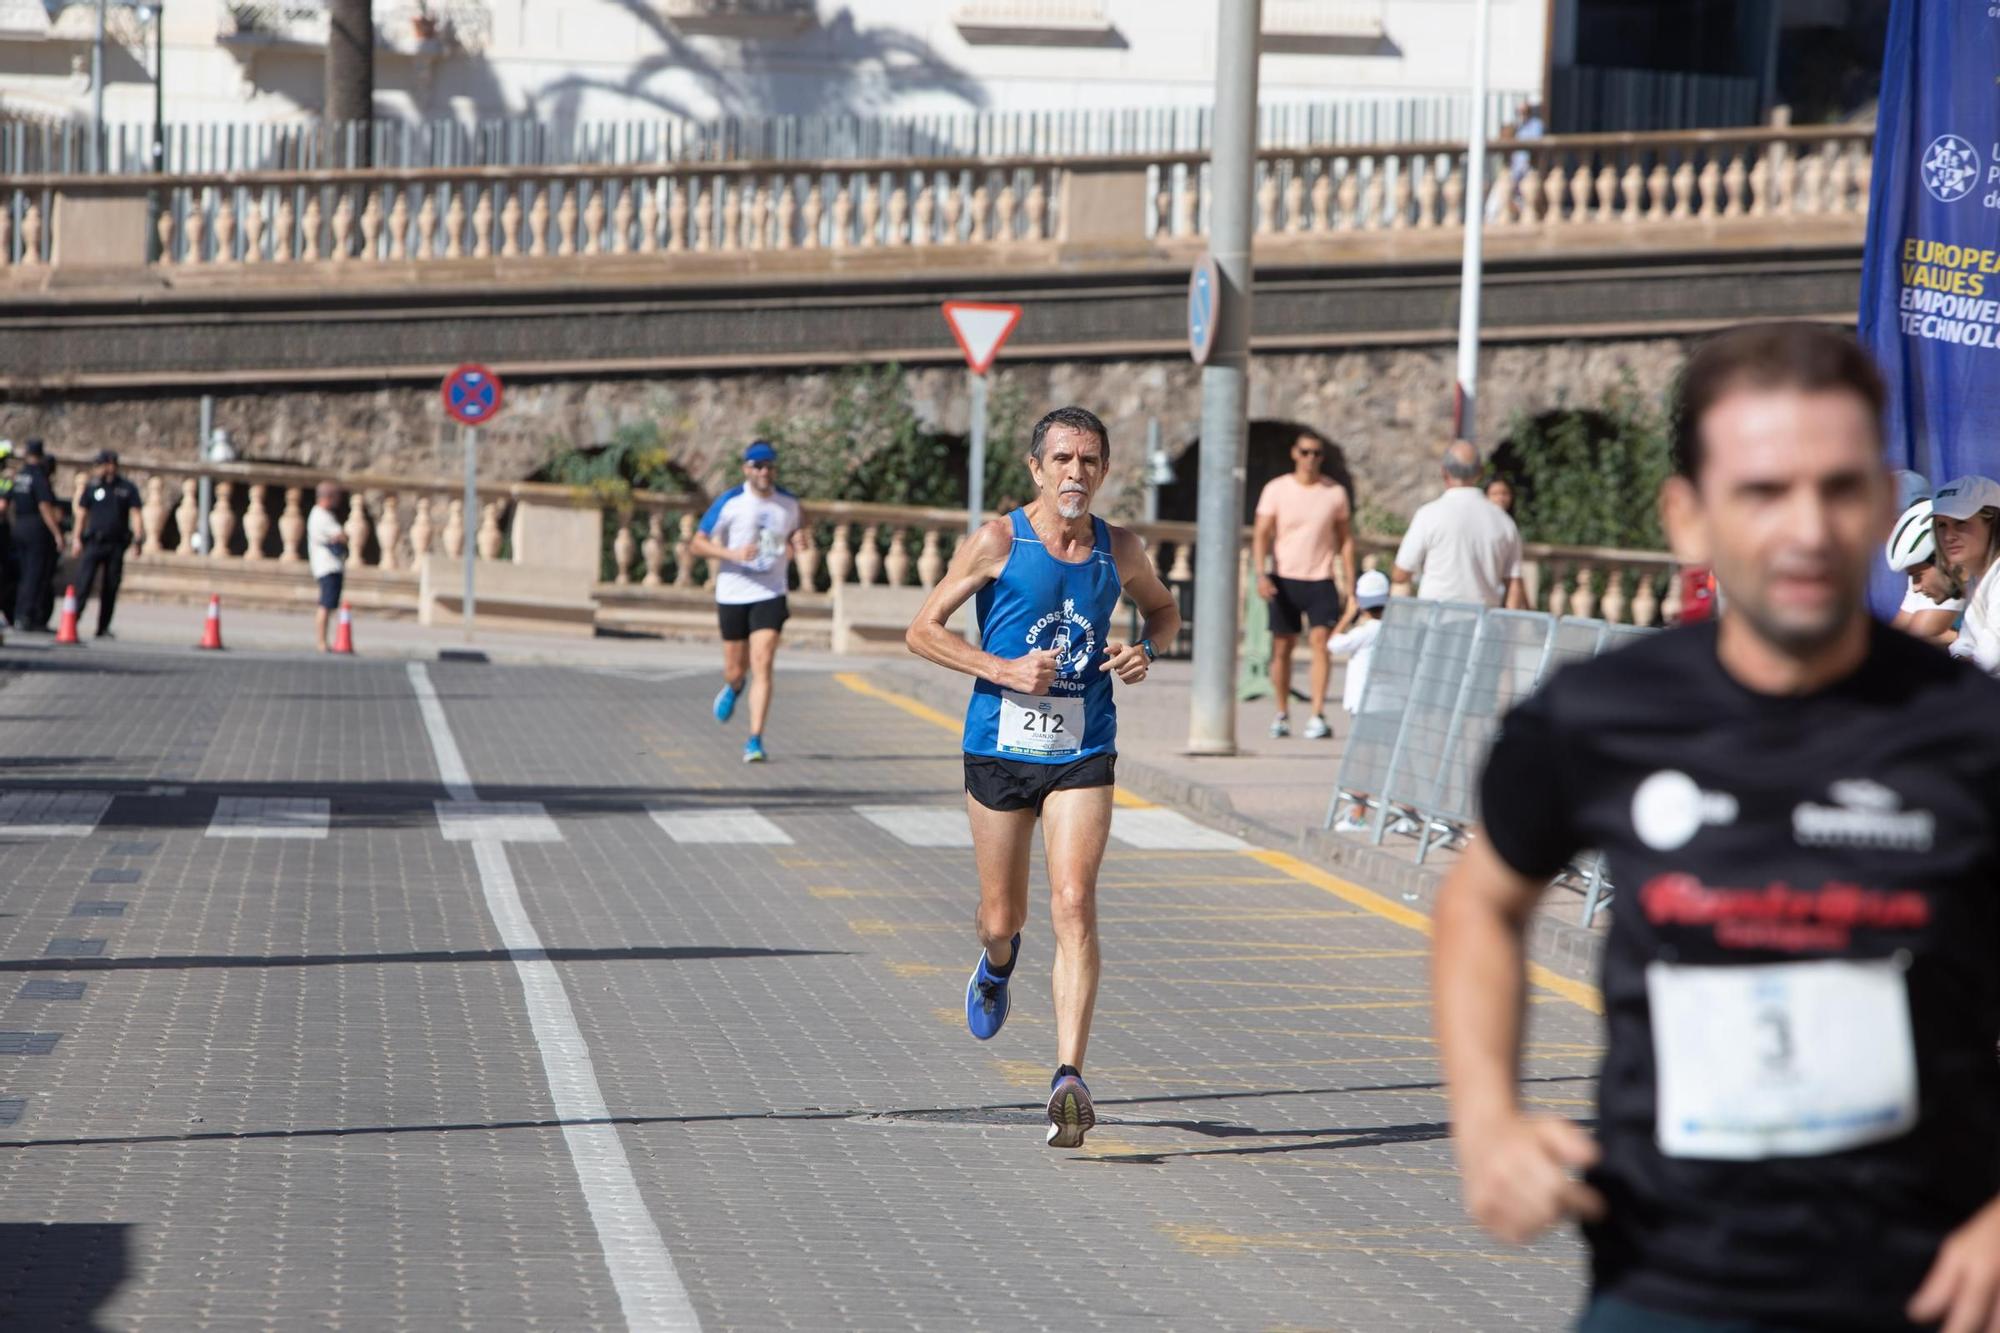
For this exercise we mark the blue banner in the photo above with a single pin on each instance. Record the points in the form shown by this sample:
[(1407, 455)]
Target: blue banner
[(1930, 283)]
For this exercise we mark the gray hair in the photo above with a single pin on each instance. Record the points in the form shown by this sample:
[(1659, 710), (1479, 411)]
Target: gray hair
[(1076, 418), (1461, 462)]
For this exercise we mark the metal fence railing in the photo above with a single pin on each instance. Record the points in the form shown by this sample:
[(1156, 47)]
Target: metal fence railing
[(210, 147), (1443, 674)]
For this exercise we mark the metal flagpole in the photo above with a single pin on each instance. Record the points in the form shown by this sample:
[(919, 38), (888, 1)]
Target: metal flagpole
[(1464, 419), (975, 480), (1224, 380), (97, 92), (471, 518)]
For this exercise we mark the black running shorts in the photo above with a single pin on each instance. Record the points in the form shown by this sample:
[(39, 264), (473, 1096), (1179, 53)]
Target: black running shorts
[(1013, 784), (740, 619), (1316, 600)]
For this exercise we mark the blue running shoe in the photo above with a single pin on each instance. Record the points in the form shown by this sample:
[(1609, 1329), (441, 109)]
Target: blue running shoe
[(753, 750), (725, 701), (1071, 1115), (986, 1001)]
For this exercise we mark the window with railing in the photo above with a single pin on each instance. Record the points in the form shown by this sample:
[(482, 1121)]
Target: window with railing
[(1035, 22), (741, 18)]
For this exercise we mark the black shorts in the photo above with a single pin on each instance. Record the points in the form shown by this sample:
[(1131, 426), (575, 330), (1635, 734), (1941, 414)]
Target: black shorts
[(741, 619), (329, 589), (1014, 784), (1317, 600)]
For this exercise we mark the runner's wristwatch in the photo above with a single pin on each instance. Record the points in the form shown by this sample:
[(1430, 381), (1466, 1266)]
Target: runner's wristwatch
[(1151, 655)]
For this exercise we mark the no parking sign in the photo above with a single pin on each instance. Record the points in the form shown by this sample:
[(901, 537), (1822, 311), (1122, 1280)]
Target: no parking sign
[(472, 395)]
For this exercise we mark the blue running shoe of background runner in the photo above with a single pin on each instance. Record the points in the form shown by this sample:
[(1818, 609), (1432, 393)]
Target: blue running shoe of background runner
[(753, 750), (986, 1001), (725, 702)]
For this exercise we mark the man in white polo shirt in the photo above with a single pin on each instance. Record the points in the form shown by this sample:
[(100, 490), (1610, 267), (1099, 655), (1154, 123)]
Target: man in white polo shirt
[(749, 532), (1461, 547)]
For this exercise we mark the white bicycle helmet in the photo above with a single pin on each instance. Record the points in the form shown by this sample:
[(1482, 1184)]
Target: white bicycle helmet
[(1910, 541)]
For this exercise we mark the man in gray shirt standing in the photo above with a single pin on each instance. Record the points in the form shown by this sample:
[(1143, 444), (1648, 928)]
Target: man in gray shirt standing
[(1461, 547)]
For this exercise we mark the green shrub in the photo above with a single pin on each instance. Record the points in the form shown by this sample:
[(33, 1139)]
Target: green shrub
[(1591, 477)]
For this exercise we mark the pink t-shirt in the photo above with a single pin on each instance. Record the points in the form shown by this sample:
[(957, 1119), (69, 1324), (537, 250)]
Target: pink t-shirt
[(1306, 517)]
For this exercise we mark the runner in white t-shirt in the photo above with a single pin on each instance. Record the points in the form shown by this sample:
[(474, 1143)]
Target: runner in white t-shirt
[(750, 532)]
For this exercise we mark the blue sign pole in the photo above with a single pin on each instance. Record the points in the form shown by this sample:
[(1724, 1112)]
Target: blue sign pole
[(1930, 287)]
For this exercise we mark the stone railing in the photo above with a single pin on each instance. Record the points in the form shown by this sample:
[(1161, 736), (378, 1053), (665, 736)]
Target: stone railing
[(1013, 207), (258, 513)]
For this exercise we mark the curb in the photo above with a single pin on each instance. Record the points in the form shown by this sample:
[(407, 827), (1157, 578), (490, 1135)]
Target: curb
[(1561, 946)]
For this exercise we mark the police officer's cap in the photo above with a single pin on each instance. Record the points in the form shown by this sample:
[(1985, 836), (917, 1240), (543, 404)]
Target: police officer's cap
[(34, 449), (107, 455)]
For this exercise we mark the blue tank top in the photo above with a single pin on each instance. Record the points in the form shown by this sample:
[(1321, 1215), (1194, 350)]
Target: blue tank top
[(1042, 602)]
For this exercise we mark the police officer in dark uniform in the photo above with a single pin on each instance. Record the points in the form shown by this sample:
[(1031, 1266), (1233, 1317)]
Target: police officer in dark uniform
[(10, 572), (104, 530), (37, 538)]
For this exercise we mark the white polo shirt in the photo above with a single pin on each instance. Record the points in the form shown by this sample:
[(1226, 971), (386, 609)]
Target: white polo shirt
[(736, 519), (1461, 547)]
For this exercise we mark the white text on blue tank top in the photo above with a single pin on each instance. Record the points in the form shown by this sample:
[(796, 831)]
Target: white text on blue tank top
[(1072, 656)]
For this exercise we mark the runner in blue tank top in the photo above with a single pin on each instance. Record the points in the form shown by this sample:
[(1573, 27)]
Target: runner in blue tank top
[(1041, 730)]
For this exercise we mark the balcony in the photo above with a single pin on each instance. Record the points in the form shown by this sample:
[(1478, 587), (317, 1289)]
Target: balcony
[(253, 24), (1036, 23), (753, 20), (1326, 27)]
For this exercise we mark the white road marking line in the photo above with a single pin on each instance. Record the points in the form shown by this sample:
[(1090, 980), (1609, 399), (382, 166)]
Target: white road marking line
[(496, 821), (921, 825), (270, 817), (738, 824), (51, 814), (1158, 830), (649, 1288)]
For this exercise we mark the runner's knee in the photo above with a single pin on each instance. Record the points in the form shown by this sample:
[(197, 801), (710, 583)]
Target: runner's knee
[(1073, 904)]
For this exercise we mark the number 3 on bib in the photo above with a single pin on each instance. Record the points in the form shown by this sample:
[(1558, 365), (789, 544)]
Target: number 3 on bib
[(1040, 724)]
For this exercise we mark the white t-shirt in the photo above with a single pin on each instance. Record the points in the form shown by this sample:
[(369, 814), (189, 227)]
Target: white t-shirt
[(323, 529), (1357, 645), (1461, 547), (1917, 602), (1979, 635), (736, 519)]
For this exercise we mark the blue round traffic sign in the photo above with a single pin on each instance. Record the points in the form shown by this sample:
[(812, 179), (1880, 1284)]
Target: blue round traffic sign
[(472, 395), (1204, 301)]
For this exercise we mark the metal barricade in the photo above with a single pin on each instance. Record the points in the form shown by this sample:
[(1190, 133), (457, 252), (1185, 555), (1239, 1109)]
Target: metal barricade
[(1436, 697), (1371, 737), (1443, 676)]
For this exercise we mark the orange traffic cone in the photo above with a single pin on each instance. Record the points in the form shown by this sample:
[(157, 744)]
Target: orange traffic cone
[(66, 627), (343, 634), (211, 633)]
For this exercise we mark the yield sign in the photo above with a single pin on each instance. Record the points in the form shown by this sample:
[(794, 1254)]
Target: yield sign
[(980, 329)]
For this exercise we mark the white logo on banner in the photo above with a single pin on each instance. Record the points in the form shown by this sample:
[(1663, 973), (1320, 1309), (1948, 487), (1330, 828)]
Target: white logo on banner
[(1951, 168)]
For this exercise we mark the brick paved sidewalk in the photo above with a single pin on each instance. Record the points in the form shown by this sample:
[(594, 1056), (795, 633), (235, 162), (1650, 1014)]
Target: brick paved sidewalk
[(303, 1006)]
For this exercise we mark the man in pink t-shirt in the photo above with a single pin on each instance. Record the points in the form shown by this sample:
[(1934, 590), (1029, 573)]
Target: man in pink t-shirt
[(1304, 522)]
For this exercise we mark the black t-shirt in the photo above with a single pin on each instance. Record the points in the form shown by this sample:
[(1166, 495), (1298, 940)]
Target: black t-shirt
[(31, 491), (107, 510), (1861, 823)]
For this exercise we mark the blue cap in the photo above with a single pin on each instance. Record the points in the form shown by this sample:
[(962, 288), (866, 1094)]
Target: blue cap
[(760, 452)]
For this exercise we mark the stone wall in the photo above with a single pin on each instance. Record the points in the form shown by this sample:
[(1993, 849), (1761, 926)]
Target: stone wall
[(1389, 408)]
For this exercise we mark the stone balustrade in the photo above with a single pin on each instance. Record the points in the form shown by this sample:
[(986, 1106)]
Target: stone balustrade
[(1023, 206)]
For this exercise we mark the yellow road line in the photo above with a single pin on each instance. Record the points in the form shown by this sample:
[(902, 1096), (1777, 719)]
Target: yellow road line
[(1579, 993), (862, 685)]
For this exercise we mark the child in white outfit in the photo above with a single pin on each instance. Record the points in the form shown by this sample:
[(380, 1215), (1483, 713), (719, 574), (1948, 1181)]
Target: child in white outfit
[(1357, 645)]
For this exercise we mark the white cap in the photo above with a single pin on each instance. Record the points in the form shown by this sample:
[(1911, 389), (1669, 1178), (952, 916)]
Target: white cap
[(1371, 590), (1962, 497), (1910, 541)]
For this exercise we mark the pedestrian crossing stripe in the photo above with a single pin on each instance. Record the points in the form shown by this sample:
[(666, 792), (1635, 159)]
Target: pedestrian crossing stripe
[(496, 821), (739, 824), (51, 814), (921, 825), (1161, 830), (270, 817)]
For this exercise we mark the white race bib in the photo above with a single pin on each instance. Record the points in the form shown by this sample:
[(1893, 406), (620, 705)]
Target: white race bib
[(1782, 1059), (1041, 723)]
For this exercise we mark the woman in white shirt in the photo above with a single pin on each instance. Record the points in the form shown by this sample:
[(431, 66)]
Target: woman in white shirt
[(1966, 515)]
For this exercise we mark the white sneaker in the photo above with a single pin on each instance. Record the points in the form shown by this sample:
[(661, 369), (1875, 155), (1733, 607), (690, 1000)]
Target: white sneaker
[(1281, 727), (1349, 824), (1317, 729)]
